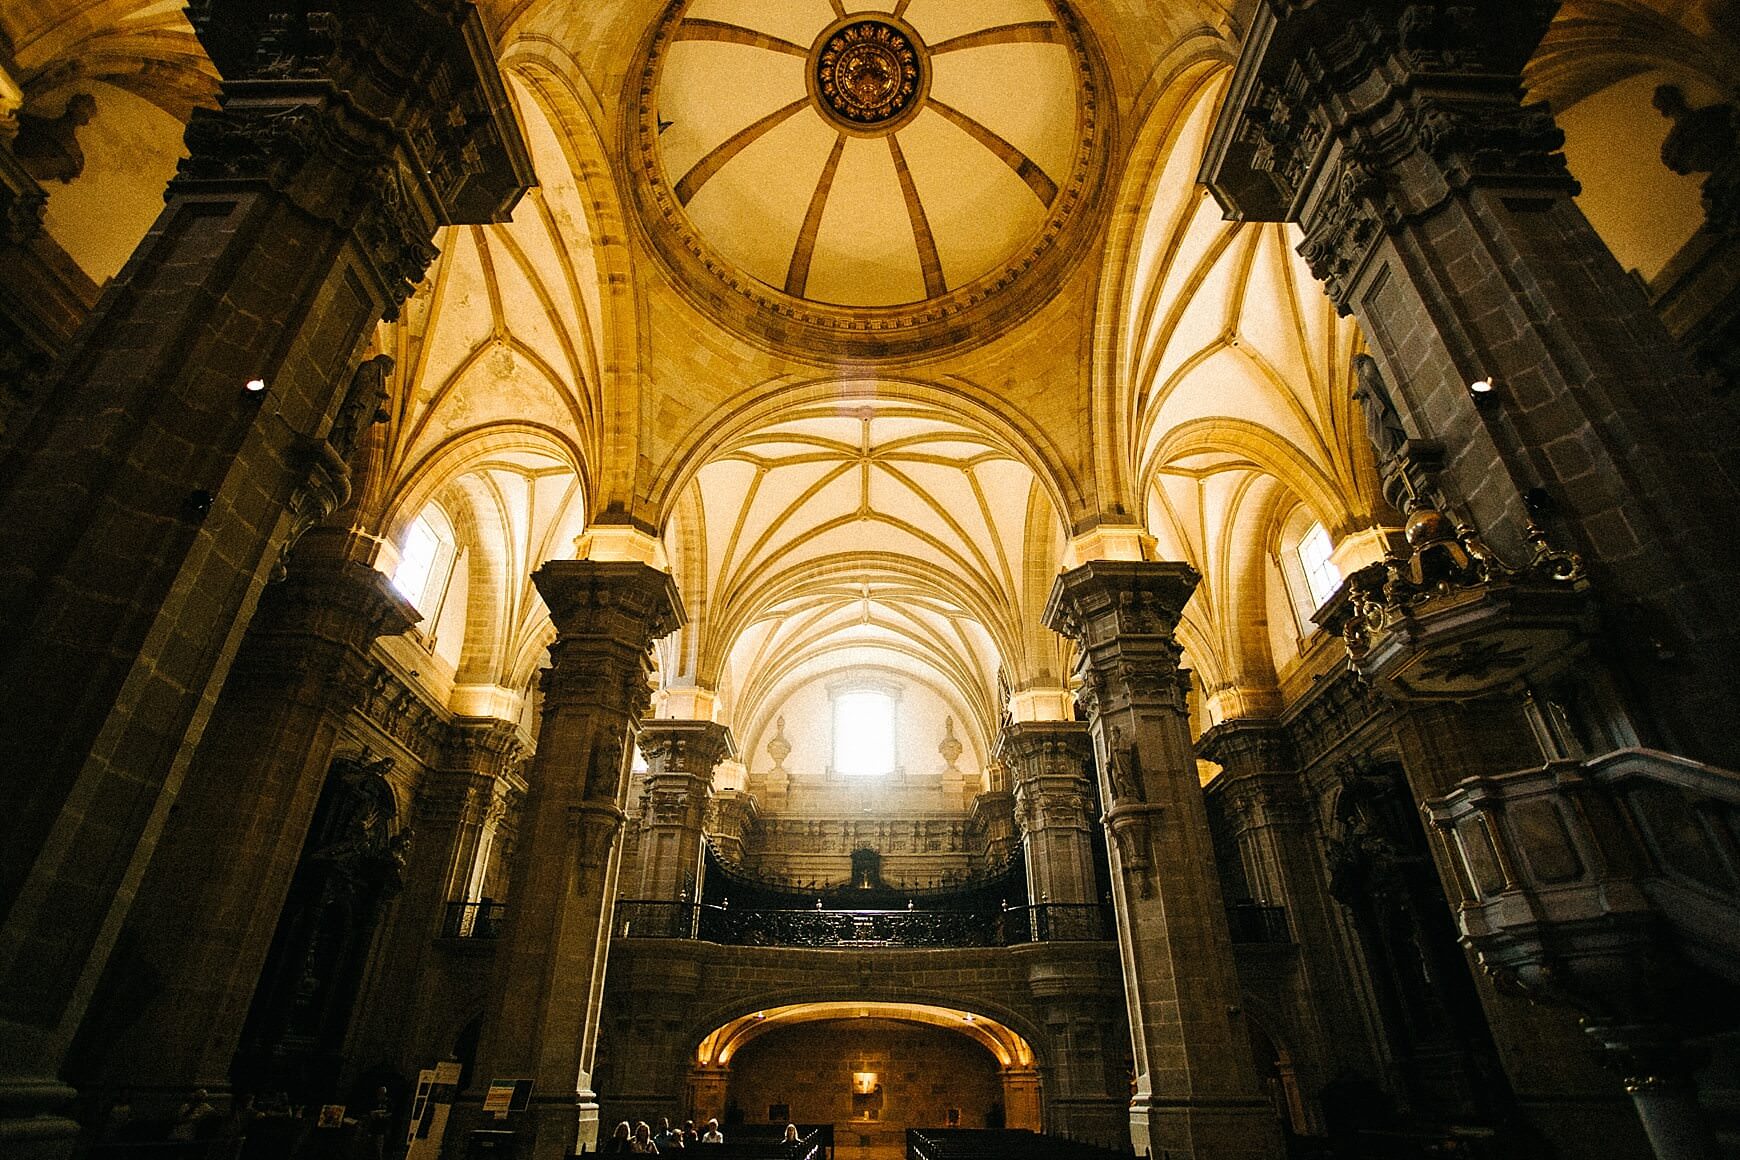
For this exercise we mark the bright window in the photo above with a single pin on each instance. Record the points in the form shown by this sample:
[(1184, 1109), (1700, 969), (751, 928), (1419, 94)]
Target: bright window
[(417, 559), (864, 734), (1321, 574)]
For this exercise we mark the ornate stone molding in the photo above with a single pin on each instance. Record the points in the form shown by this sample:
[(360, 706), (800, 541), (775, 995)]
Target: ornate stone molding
[(1121, 615), (1353, 118), (384, 117), (607, 616), (1005, 294), (1048, 762)]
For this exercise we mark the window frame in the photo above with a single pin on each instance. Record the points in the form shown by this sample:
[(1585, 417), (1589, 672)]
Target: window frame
[(439, 579), (890, 692)]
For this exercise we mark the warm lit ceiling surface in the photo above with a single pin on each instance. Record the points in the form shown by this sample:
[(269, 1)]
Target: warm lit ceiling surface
[(873, 155)]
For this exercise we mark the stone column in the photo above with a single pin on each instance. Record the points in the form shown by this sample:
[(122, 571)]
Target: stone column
[(1196, 1088), (733, 815), (1021, 1098), (1437, 210), (1281, 852), (548, 983), (151, 497), (204, 917), (680, 758), (1047, 763), (461, 809), (1077, 995)]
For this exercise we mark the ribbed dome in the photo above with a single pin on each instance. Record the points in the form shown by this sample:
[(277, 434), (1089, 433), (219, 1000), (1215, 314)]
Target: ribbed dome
[(876, 155)]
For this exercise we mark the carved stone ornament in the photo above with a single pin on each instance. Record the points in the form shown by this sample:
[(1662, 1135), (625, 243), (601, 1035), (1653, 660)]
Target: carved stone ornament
[(1705, 140), (1447, 618), (867, 72), (1353, 119), (779, 748), (1132, 828), (592, 831), (383, 120), (950, 747)]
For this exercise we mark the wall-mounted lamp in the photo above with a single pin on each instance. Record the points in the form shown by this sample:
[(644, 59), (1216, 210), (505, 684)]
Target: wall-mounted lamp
[(254, 390), (1484, 392)]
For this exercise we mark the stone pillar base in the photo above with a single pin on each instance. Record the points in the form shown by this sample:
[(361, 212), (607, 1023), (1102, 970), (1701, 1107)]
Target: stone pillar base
[(1102, 1122), (1230, 1131), (31, 1126)]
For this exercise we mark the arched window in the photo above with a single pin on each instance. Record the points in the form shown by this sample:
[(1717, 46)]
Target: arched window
[(426, 564), (1310, 574), (864, 733), (1321, 574)]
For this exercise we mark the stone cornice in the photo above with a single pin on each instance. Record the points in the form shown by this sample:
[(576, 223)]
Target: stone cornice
[(1354, 118), (386, 118), (1247, 745)]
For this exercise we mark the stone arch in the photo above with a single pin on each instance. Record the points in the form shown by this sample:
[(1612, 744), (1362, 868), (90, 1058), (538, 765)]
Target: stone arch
[(972, 405)]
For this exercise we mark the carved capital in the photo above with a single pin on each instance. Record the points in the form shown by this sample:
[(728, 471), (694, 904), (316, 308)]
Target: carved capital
[(486, 745), (1248, 746), (1049, 770), (1352, 118), (387, 118), (456, 796), (607, 616), (692, 748), (1121, 615)]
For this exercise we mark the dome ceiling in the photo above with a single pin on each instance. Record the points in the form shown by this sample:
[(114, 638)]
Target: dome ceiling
[(865, 164)]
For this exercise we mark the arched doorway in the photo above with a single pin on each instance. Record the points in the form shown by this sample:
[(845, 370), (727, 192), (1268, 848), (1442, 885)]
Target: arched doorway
[(871, 1070)]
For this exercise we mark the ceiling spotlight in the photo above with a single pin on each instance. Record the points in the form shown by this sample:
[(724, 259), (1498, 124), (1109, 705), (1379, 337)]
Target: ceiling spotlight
[(1483, 391)]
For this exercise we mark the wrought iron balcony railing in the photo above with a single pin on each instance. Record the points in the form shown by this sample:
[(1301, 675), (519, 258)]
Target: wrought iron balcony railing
[(473, 919), (1046, 922)]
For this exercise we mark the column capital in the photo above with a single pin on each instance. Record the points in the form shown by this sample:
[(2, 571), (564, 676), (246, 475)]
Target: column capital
[(1037, 748), (487, 745), (628, 602), (323, 610), (680, 757), (675, 746), (1247, 746), (607, 616), (1121, 614), (1352, 117), (388, 117), (1107, 598), (1047, 761)]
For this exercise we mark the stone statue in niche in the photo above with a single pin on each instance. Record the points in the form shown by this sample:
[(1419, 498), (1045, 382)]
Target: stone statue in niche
[(362, 404), (1122, 768), (1704, 141), (48, 147), (1383, 425), (605, 768)]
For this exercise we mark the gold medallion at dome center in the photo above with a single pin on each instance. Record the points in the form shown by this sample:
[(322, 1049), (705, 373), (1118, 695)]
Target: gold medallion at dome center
[(867, 73)]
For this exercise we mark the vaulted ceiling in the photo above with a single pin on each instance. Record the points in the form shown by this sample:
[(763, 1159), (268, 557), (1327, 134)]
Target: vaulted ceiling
[(701, 195)]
